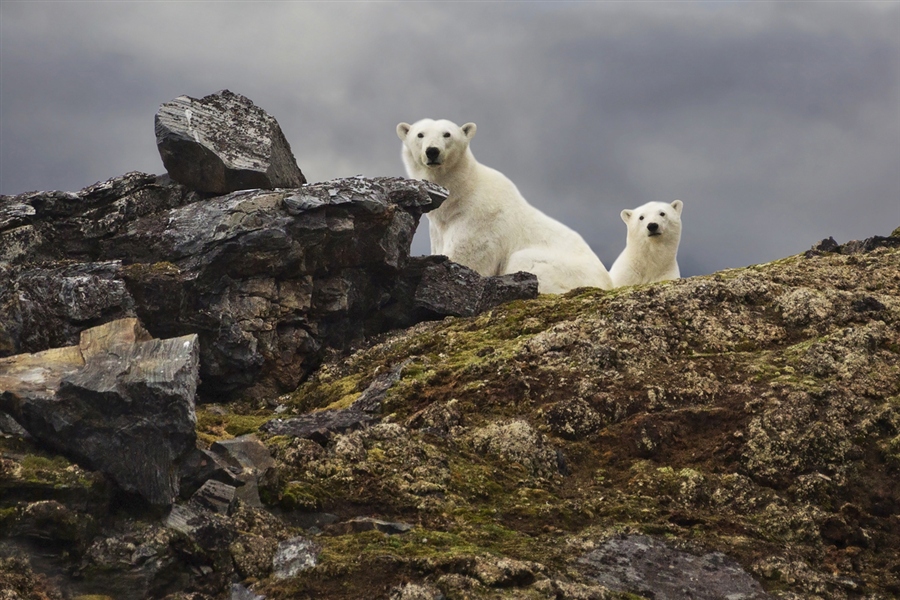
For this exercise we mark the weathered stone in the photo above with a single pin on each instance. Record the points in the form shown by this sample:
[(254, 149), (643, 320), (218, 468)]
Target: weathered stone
[(267, 279), (640, 564), (240, 592), (216, 496), (294, 556), (199, 466), (447, 288), (48, 307), (320, 426), (360, 524), (120, 401), (46, 226), (222, 143), (250, 460)]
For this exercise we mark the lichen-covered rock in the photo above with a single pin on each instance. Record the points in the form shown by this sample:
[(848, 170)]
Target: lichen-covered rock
[(222, 143), (516, 442)]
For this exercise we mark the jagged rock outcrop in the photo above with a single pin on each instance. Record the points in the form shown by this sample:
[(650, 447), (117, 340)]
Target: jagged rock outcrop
[(222, 143), (268, 279), (119, 402)]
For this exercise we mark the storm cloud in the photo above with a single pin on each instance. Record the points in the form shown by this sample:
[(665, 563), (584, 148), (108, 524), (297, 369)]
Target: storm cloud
[(777, 124)]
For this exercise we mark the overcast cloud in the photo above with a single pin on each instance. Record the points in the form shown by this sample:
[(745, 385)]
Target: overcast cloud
[(777, 124)]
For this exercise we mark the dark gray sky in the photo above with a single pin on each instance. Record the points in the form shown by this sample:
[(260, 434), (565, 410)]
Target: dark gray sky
[(777, 124)]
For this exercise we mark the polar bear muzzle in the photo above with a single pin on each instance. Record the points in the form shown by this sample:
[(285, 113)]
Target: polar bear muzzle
[(434, 155)]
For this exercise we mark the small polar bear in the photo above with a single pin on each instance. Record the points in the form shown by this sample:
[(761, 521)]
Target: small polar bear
[(654, 232), (485, 223)]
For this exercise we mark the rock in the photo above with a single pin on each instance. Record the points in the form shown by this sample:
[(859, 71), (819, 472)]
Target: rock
[(76, 226), (360, 524), (320, 426), (48, 307), (268, 280), (250, 460), (222, 143), (120, 402), (640, 564), (439, 287), (215, 496), (294, 556), (412, 591), (200, 466), (518, 443), (239, 592)]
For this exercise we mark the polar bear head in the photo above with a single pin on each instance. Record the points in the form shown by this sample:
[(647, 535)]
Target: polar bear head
[(654, 221), (431, 146)]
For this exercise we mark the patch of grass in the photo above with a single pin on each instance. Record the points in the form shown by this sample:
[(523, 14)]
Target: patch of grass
[(213, 426)]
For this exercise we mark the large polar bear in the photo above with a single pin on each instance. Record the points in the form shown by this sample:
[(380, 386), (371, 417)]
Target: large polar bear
[(485, 223), (654, 232)]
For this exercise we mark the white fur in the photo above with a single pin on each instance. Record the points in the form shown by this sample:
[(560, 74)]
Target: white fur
[(485, 223), (649, 258)]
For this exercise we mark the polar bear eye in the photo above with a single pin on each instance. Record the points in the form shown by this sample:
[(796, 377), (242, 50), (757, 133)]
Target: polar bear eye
[(642, 218), (446, 135), (421, 135), (662, 214)]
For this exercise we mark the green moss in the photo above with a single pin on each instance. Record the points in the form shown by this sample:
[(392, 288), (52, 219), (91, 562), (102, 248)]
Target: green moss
[(53, 470), (298, 496), (212, 426), (326, 393)]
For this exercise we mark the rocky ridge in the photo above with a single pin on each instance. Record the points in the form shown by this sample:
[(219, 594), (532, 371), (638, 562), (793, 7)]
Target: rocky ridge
[(734, 435)]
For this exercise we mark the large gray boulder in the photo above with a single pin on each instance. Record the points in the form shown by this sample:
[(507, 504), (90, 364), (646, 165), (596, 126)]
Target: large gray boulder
[(119, 402), (222, 143)]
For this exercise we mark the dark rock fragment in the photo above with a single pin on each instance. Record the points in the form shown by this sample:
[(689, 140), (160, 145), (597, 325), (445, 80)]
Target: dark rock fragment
[(249, 460), (319, 426), (200, 466), (222, 143), (215, 496), (120, 402)]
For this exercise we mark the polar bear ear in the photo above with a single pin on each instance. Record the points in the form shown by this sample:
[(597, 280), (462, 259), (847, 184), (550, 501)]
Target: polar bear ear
[(469, 130), (402, 130), (678, 205), (626, 215)]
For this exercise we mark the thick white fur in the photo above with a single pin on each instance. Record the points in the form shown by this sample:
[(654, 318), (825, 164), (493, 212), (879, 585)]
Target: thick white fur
[(649, 258), (485, 223)]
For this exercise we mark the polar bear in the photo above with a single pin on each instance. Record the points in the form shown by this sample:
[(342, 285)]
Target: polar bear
[(485, 223), (654, 232)]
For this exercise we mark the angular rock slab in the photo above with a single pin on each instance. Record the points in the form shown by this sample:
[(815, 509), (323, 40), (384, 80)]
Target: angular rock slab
[(119, 402), (643, 565), (222, 143)]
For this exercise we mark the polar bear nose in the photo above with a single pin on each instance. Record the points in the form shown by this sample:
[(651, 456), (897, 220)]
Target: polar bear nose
[(652, 227), (432, 153)]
